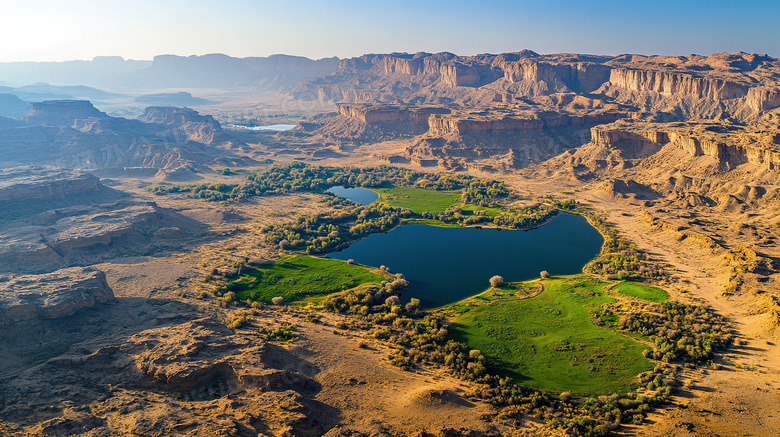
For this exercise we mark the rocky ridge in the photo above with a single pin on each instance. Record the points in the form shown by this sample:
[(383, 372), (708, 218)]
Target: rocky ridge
[(744, 83), (506, 111), (55, 218), (30, 298), (169, 143)]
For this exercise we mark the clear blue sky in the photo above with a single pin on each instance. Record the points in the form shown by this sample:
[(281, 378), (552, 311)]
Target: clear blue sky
[(56, 30)]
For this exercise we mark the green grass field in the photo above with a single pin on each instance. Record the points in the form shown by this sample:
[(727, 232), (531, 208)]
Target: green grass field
[(297, 277), (489, 211), (418, 200), (548, 341), (653, 294)]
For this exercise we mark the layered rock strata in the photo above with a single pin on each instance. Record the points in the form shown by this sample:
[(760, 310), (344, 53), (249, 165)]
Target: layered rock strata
[(30, 298)]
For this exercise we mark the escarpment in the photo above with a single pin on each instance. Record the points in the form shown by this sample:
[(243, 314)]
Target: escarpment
[(728, 145), (736, 85), (671, 83), (763, 99), (389, 113), (481, 122)]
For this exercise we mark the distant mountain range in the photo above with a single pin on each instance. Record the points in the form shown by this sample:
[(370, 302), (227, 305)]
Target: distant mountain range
[(168, 71)]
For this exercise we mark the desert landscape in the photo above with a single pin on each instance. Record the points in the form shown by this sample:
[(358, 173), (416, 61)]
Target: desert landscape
[(399, 244)]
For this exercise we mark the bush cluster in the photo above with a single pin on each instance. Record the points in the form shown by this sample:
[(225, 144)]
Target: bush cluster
[(679, 331), (619, 258), (330, 231), (300, 177), (284, 334)]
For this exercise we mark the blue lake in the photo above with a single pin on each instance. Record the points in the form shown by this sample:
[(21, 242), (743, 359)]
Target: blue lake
[(357, 195), (445, 265)]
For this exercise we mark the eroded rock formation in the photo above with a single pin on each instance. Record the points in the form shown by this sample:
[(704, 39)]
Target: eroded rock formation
[(724, 84), (172, 142), (54, 218), (727, 144), (26, 299)]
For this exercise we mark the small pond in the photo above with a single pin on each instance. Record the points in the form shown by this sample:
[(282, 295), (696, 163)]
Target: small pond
[(273, 127), (444, 265), (357, 195)]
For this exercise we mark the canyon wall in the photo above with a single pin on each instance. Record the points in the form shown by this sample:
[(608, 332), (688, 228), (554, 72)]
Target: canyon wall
[(731, 150), (579, 77), (680, 87), (672, 83), (457, 124), (763, 99), (389, 114)]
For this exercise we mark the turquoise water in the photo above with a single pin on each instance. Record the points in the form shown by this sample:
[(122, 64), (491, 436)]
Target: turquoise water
[(445, 265), (357, 195)]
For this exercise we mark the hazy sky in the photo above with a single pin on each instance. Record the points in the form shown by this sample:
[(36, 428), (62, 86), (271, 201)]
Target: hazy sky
[(56, 30)]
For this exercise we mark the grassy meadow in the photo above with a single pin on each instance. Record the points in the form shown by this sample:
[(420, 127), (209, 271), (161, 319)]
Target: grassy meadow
[(296, 277), (417, 199), (633, 289), (548, 341)]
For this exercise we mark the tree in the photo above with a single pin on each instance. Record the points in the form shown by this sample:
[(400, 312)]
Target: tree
[(544, 274), (497, 281), (278, 300), (413, 305)]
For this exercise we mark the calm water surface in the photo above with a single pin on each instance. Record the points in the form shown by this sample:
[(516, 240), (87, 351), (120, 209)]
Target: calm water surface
[(357, 195), (444, 265), (275, 127)]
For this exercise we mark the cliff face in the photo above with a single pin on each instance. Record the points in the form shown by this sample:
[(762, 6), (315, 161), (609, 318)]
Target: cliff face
[(388, 113), (763, 99), (464, 124), (579, 77), (729, 149), (200, 128), (470, 75), (671, 83), (61, 112), (739, 85)]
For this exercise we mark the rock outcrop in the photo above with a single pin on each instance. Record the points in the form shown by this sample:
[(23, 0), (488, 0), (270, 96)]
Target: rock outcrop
[(54, 218), (84, 233), (371, 114), (497, 121), (74, 134), (61, 112), (26, 299), (728, 145), (736, 85), (25, 184), (201, 128), (187, 356)]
